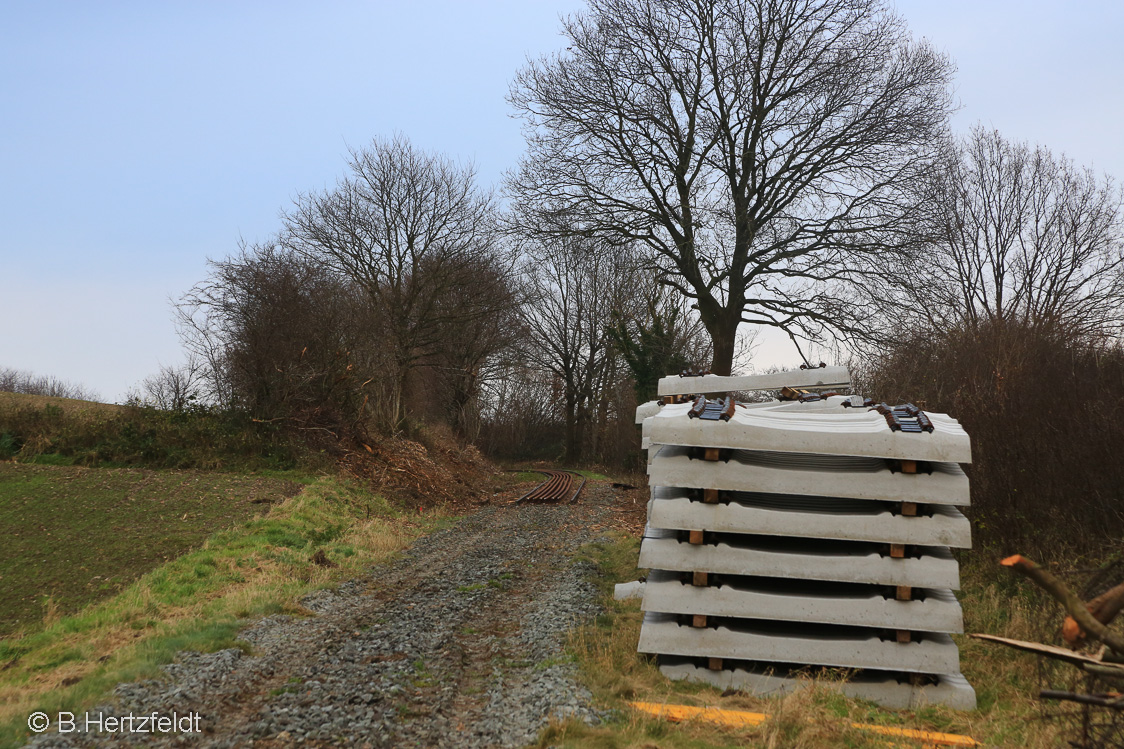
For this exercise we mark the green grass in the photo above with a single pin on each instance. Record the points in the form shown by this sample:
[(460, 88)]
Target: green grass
[(199, 600), (74, 536), (591, 475), (816, 716)]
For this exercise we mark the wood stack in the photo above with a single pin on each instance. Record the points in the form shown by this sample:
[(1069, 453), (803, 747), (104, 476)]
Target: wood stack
[(808, 536)]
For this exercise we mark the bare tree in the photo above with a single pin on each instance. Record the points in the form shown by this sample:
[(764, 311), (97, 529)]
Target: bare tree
[(283, 339), (28, 383), (482, 324), (408, 227), (574, 288), (1019, 234), (757, 147), (173, 388)]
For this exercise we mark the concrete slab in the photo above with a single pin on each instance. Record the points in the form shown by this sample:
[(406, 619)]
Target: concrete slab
[(809, 517), (802, 473), (789, 642), (887, 689), (625, 591), (850, 432), (803, 601), (644, 410), (807, 559), (826, 377)]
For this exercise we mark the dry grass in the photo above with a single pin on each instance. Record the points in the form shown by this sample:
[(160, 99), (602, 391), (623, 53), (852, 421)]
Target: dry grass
[(68, 405)]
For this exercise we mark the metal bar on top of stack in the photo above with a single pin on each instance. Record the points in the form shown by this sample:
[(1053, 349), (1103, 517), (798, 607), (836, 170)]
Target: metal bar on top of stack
[(804, 537)]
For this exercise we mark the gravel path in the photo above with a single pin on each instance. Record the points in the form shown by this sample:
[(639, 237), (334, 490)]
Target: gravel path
[(458, 644)]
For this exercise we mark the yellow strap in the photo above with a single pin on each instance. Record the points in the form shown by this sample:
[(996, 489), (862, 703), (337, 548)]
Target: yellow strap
[(744, 718)]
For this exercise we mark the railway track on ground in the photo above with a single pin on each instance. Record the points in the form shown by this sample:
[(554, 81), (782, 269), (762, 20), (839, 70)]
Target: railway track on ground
[(558, 487)]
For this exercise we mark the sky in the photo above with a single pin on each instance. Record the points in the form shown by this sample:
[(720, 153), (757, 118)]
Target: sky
[(139, 139)]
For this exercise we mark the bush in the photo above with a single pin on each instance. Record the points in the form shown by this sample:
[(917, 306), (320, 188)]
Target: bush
[(1046, 416), (132, 435)]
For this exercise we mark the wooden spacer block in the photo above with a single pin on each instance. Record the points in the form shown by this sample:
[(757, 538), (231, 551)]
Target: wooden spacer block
[(696, 537), (909, 508), (710, 496), (897, 551), (710, 453), (905, 593), (909, 466), (699, 578), (714, 664), (698, 620), (904, 636)]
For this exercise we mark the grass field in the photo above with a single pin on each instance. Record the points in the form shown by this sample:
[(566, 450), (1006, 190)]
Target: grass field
[(73, 536), (200, 599), (1005, 681)]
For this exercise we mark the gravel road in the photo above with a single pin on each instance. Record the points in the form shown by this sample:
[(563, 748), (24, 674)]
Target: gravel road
[(457, 644)]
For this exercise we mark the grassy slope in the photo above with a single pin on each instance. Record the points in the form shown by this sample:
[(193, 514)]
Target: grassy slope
[(70, 405), (1005, 681), (200, 599), (73, 536)]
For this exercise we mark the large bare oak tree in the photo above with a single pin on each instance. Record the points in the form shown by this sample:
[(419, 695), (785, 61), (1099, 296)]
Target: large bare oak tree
[(762, 149)]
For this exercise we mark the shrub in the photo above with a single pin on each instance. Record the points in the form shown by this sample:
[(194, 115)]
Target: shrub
[(1045, 413)]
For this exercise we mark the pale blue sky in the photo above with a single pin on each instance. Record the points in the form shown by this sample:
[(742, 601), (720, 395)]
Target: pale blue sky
[(138, 139)]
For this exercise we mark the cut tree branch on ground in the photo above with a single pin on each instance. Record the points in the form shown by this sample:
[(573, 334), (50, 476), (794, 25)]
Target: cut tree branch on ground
[(1104, 609), (1073, 605), (1086, 699)]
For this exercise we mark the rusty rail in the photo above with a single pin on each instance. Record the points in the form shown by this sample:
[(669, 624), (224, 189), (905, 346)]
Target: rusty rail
[(559, 486)]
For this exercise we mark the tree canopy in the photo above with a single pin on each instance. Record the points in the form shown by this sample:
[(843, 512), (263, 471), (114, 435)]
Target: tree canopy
[(762, 150)]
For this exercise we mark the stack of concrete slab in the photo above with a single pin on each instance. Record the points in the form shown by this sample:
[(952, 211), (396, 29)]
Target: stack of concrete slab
[(805, 537)]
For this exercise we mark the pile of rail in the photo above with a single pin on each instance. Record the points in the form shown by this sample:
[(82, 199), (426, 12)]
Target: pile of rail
[(805, 535), (558, 487)]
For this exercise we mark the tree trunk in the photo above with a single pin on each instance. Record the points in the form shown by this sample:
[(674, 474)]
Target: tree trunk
[(723, 329), (572, 446)]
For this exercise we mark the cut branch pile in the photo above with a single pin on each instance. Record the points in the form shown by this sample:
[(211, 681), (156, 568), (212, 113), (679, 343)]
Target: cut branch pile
[(1085, 622)]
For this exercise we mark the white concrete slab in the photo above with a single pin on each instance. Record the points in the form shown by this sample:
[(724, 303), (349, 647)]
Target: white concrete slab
[(807, 559), (817, 475), (625, 591), (803, 601), (886, 689), (788, 642), (644, 410), (823, 378), (809, 517), (849, 432)]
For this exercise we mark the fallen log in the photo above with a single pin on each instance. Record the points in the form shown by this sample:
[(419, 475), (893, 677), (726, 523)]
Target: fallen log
[(1104, 609), (1074, 605), (1100, 700)]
